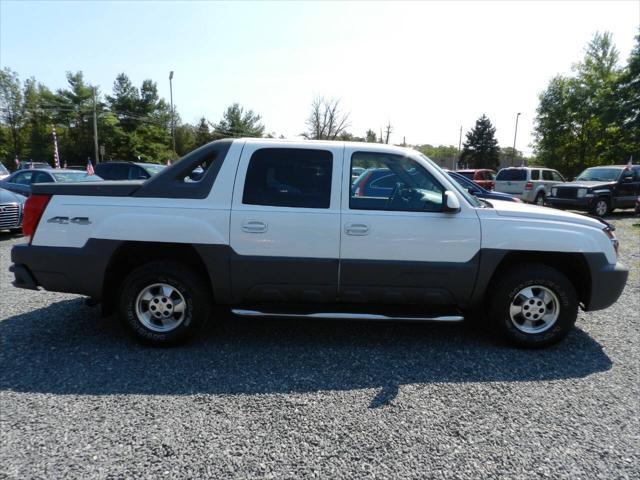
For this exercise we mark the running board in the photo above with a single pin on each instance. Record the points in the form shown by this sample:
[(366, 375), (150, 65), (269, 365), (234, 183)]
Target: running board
[(345, 316)]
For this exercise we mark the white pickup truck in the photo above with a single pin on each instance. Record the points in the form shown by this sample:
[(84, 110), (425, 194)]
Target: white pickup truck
[(277, 228)]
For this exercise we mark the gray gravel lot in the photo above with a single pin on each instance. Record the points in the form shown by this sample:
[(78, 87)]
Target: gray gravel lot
[(291, 398)]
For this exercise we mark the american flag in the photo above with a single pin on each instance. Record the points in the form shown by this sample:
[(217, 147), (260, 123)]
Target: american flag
[(629, 163), (56, 157), (90, 170), (168, 162)]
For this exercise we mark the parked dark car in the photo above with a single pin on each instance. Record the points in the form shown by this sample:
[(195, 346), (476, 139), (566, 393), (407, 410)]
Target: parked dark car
[(474, 189), (637, 210), (599, 190), (11, 207), (21, 180), (127, 170), (482, 176)]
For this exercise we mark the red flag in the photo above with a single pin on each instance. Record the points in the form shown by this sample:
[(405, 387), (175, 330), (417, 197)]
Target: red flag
[(90, 170)]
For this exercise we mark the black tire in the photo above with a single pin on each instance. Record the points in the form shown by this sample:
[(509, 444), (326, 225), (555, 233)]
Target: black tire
[(601, 207), (187, 284), (513, 281), (540, 199)]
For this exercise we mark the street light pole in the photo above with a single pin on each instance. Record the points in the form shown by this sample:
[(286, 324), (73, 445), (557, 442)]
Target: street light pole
[(173, 117), (513, 154), (95, 128), (455, 166)]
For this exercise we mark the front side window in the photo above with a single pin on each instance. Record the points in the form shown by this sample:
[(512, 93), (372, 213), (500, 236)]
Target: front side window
[(289, 177), (394, 183), (556, 176), (546, 175), (23, 178)]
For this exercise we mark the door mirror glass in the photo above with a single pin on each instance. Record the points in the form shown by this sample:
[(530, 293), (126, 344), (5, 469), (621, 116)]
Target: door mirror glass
[(451, 202)]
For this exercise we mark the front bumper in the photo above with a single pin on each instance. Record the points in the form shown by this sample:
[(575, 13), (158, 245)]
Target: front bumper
[(607, 281), (583, 203)]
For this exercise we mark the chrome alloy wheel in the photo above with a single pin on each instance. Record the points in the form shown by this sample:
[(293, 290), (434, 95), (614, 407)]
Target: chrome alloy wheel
[(601, 207), (160, 307), (534, 309)]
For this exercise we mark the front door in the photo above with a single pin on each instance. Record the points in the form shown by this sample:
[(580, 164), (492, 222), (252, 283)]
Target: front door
[(398, 246), (285, 224)]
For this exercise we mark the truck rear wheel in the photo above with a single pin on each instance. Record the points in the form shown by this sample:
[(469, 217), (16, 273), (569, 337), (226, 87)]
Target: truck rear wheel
[(163, 303), (533, 306)]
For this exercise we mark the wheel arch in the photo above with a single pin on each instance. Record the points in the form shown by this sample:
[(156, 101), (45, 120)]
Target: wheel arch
[(494, 263), (133, 254)]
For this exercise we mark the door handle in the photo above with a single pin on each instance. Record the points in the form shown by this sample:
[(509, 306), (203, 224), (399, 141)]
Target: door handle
[(357, 229), (253, 226)]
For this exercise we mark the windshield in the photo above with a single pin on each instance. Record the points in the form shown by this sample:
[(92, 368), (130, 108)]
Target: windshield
[(75, 177), (153, 169), (468, 197), (3, 170), (599, 175)]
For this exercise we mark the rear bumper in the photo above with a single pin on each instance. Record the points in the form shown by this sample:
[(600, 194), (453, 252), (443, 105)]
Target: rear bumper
[(607, 281), (62, 269)]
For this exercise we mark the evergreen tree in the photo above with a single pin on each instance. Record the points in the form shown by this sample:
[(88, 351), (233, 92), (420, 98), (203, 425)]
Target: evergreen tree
[(480, 149), (202, 133), (238, 123)]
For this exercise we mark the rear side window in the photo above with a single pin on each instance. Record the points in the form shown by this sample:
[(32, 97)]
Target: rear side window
[(512, 175), (289, 177), (535, 174)]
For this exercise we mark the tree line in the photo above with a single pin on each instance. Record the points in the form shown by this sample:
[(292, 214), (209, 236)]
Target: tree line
[(589, 118)]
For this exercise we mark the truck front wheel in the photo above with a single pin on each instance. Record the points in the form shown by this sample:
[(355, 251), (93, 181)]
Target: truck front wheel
[(533, 305), (163, 303)]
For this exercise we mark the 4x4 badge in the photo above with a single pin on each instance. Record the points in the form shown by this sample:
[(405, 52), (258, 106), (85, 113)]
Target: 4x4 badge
[(66, 220)]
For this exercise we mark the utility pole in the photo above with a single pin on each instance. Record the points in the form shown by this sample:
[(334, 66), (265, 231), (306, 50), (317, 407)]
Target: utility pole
[(513, 156), (173, 117), (95, 127), (459, 146)]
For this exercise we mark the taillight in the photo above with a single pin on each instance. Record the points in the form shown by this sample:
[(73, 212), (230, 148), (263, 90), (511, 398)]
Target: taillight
[(528, 186), (33, 210)]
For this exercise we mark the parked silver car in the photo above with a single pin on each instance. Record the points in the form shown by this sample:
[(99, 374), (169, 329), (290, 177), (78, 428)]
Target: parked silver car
[(11, 208), (530, 184)]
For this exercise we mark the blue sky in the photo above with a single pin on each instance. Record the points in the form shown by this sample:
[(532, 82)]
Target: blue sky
[(428, 68)]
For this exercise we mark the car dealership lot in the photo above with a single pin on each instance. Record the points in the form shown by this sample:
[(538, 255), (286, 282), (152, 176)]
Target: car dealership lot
[(293, 398)]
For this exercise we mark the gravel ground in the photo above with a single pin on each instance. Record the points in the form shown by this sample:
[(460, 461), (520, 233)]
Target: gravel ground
[(286, 398)]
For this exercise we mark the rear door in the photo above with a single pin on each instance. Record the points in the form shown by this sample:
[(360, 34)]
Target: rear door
[(400, 247), (285, 223)]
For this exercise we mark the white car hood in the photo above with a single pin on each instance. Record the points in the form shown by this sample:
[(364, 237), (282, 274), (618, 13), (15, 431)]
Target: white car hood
[(524, 210)]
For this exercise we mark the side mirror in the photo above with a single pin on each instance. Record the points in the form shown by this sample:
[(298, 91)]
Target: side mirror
[(451, 202), (627, 179)]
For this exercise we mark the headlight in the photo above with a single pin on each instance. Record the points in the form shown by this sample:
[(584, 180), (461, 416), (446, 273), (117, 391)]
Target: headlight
[(612, 236), (582, 192), (554, 192)]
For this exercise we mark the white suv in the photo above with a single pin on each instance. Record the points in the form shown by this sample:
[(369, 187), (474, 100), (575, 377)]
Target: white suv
[(276, 228), (530, 184)]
